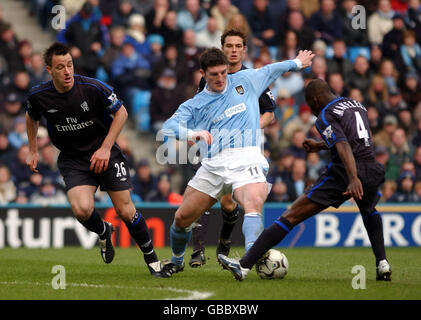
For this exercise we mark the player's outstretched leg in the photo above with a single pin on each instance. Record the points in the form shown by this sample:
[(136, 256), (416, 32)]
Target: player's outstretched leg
[(139, 232), (199, 232)]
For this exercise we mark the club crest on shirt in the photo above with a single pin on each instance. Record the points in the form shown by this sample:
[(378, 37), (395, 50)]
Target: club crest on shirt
[(240, 89), (84, 106)]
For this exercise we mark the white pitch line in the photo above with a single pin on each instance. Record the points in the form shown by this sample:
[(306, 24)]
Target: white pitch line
[(192, 294)]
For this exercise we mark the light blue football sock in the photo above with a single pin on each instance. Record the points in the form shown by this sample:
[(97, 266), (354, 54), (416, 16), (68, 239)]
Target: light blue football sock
[(252, 228), (179, 238)]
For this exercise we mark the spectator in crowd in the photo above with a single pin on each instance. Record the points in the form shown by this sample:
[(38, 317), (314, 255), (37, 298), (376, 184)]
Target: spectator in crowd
[(21, 197), (339, 62), (377, 92), (411, 90), (20, 86), (190, 53), (315, 165), (417, 163), (170, 31), (121, 16), (388, 189), (376, 58), (223, 11), (319, 48), (278, 192), (399, 152), (416, 140), (12, 109), (163, 192), (37, 72), (319, 68), (48, 194), (124, 144), (381, 155), (171, 60), (84, 37), (417, 190), (155, 17), (353, 37), (211, 36), (286, 108), (7, 187), (293, 82), (374, 119), (130, 71), (360, 76), (380, 22), (165, 98), (356, 94), (405, 120), (144, 181), (304, 33), (262, 24), (389, 73), (327, 23), (136, 34), (296, 146), (18, 136), (25, 52), (156, 44), (384, 136), (393, 39), (192, 17), (283, 21), (413, 17), (405, 191), (410, 53), (297, 182), (112, 52), (9, 48), (289, 47), (303, 121), (393, 104), (337, 84), (7, 151)]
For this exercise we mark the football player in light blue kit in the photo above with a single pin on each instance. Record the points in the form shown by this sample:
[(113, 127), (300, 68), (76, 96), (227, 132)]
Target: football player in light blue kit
[(225, 116)]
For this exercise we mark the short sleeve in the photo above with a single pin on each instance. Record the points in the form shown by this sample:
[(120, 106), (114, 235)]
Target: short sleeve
[(32, 109), (106, 97), (330, 128)]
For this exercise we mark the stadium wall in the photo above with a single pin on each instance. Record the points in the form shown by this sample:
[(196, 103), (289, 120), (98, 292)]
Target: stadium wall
[(55, 227)]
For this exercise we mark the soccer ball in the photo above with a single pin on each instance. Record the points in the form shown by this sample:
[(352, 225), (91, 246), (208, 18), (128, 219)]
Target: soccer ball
[(273, 265)]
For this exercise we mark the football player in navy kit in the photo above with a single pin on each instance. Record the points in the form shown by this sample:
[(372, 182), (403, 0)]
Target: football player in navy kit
[(233, 44), (353, 172), (84, 118)]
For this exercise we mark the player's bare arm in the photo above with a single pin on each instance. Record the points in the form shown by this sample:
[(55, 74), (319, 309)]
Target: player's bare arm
[(311, 145), (32, 130), (266, 118), (101, 157), (355, 188)]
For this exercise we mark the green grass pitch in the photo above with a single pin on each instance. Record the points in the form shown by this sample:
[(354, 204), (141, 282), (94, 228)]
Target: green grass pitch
[(314, 273)]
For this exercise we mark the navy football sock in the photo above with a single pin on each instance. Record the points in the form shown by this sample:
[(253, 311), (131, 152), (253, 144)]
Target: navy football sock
[(267, 239), (228, 222), (95, 224), (139, 232), (199, 232), (374, 226)]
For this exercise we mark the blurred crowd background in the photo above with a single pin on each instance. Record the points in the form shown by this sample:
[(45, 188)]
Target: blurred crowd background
[(148, 51)]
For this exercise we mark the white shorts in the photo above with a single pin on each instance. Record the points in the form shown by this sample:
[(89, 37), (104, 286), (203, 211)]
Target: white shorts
[(229, 170)]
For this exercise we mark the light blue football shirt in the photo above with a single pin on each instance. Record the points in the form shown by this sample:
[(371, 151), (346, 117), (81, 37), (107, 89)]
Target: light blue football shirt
[(231, 116)]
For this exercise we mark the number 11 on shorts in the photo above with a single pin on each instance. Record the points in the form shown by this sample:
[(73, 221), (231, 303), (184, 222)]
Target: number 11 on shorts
[(255, 170)]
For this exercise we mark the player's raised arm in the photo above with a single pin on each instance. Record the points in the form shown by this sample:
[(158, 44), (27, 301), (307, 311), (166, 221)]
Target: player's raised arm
[(263, 77)]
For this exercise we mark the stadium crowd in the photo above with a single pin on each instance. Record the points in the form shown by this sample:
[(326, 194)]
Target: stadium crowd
[(149, 49)]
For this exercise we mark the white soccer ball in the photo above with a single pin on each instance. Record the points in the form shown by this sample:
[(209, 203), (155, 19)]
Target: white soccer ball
[(273, 265)]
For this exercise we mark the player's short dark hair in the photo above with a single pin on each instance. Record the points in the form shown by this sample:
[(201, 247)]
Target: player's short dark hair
[(212, 57), (232, 33), (56, 49)]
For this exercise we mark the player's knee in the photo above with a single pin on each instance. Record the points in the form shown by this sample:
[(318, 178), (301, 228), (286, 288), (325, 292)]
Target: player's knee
[(182, 219), (82, 210), (125, 210), (254, 202)]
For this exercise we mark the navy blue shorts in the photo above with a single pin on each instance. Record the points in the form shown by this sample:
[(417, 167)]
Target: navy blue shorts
[(75, 172), (328, 188)]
